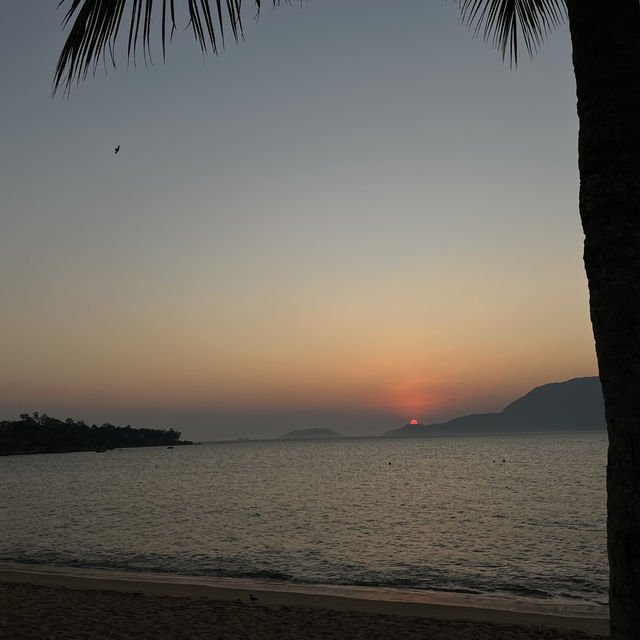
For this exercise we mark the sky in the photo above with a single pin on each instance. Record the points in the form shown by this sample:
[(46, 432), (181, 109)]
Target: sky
[(359, 216)]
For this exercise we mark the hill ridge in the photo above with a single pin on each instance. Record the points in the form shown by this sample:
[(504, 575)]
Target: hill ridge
[(574, 404)]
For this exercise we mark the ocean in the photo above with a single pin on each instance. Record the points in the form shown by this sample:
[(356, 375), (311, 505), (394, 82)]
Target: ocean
[(520, 516)]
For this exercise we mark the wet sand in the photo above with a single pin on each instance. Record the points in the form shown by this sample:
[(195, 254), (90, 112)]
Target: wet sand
[(57, 605)]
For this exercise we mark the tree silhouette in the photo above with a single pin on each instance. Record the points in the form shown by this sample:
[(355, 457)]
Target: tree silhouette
[(41, 434), (605, 37)]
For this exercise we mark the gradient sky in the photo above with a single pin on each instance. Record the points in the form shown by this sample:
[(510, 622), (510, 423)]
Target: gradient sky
[(359, 216)]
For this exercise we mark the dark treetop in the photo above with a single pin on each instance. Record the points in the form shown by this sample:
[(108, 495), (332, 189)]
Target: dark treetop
[(41, 434)]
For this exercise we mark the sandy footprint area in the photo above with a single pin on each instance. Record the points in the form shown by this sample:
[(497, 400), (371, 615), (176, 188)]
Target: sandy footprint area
[(105, 611)]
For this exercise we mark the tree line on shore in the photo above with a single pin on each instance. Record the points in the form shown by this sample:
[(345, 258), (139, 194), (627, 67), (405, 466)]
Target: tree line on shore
[(39, 433)]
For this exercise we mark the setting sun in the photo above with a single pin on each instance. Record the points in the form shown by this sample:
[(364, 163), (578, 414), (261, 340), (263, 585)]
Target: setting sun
[(414, 421)]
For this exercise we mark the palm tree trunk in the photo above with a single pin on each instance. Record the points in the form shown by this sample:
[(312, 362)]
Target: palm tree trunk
[(605, 36)]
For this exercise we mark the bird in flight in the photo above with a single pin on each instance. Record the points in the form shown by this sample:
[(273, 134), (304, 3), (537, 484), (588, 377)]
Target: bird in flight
[(116, 149)]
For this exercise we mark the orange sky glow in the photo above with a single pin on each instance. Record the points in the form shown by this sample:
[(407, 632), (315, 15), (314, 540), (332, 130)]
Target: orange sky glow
[(354, 235)]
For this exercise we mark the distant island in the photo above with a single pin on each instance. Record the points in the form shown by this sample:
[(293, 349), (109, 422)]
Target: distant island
[(574, 405), (310, 434), (39, 433)]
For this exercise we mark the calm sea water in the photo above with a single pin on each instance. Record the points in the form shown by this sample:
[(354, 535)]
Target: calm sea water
[(516, 516)]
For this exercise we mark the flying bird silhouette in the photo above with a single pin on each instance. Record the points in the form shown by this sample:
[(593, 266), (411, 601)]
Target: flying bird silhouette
[(116, 149)]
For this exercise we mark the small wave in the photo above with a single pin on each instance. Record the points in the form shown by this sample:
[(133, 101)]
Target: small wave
[(258, 575), (579, 592)]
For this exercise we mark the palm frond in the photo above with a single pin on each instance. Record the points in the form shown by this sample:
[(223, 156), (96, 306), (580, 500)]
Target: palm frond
[(503, 22), (95, 24)]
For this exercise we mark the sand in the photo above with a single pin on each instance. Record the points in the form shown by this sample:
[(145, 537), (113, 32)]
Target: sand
[(58, 605)]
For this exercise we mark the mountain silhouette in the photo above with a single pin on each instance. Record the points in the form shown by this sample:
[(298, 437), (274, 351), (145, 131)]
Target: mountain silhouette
[(574, 405)]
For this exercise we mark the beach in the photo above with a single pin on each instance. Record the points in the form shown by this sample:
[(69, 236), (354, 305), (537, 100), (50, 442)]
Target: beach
[(57, 605), (330, 539)]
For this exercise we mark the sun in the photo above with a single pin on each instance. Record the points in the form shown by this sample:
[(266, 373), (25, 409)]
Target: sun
[(414, 421)]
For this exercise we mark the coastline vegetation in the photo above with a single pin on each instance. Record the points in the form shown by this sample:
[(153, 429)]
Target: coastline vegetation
[(39, 433)]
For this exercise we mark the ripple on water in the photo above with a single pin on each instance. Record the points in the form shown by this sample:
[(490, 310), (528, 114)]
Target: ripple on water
[(442, 517)]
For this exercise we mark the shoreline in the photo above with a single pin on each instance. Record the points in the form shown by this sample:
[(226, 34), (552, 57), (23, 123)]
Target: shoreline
[(446, 608)]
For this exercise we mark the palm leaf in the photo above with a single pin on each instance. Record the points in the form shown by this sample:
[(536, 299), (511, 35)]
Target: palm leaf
[(503, 22), (95, 25)]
